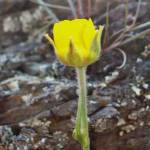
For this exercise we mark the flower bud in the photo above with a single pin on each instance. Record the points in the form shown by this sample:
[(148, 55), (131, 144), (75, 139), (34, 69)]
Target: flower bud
[(76, 42)]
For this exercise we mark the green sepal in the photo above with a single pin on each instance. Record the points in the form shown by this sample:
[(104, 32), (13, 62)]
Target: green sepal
[(96, 45), (72, 56)]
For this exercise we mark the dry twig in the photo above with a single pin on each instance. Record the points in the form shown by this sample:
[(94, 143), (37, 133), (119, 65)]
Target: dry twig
[(72, 7)]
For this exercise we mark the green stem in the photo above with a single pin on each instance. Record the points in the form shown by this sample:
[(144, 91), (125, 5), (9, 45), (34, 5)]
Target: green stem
[(81, 132)]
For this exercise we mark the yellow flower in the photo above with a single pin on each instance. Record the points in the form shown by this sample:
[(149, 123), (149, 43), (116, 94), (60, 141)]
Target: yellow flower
[(76, 42)]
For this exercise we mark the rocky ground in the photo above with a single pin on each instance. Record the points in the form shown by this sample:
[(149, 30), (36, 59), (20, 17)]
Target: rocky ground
[(38, 95)]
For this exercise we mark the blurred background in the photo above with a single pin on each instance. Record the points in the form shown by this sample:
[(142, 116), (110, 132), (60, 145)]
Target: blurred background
[(38, 94)]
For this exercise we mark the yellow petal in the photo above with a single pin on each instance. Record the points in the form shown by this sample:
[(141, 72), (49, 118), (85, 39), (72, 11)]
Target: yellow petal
[(89, 33), (61, 33), (66, 30), (77, 31)]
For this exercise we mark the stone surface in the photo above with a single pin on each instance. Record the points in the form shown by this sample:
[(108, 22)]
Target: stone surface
[(38, 95)]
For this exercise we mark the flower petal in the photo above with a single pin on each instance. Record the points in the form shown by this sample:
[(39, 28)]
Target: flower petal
[(61, 33), (89, 33)]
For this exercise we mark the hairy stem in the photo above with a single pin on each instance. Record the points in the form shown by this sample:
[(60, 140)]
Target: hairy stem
[(81, 132)]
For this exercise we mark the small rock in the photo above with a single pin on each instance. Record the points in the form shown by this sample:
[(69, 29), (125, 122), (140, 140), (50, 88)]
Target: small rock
[(113, 76), (136, 90), (121, 122), (128, 128), (11, 24)]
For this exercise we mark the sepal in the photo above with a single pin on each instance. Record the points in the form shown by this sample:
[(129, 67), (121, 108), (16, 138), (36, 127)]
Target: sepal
[(96, 45)]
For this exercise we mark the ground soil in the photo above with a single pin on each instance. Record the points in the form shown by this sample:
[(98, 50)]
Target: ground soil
[(38, 95)]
